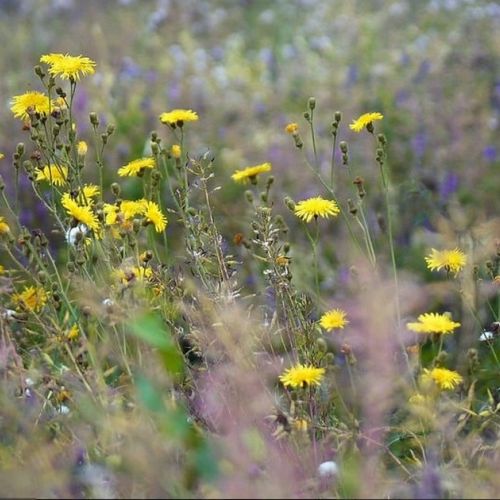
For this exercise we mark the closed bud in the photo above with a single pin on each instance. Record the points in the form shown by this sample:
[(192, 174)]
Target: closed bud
[(55, 130), (311, 103), (263, 196), (82, 148), (370, 128), (289, 203), (110, 129), (352, 207), (115, 189), (20, 148), (60, 92), (154, 135), (249, 196), (270, 181), (382, 139), (321, 343), (93, 119), (2, 183), (343, 147), (307, 116), (70, 267), (104, 138), (286, 247), (337, 116), (39, 72), (191, 211), (42, 277), (155, 148)]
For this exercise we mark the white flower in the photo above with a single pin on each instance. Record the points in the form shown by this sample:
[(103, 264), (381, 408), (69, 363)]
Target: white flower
[(107, 302), (73, 233), (486, 336), (63, 410), (328, 468)]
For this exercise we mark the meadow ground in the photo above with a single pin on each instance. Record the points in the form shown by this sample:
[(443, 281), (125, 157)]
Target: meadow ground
[(249, 249)]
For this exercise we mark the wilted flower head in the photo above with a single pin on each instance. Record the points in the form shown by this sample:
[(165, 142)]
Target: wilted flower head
[(433, 323)]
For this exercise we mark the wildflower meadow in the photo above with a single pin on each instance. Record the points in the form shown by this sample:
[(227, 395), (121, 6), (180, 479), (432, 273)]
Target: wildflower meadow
[(250, 249)]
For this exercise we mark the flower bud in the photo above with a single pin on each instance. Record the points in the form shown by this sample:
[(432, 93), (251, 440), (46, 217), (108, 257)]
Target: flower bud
[(93, 119), (20, 148), (289, 203), (110, 129), (311, 103), (343, 147), (249, 196), (337, 116), (39, 72), (115, 189), (155, 149)]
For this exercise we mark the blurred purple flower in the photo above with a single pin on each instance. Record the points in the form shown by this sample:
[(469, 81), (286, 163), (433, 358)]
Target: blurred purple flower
[(401, 97), (423, 71), (490, 153), (449, 185), (419, 144), (352, 75)]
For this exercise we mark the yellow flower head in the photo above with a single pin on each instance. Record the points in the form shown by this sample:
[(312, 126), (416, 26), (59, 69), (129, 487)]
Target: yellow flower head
[(154, 215), (4, 227), (176, 151), (68, 67), (300, 375), (359, 124), (34, 101), (331, 320), (131, 208), (178, 117), (2, 156), (433, 323), (250, 173), (129, 274), (443, 378), (451, 260), (82, 214), (55, 174), (81, 148), (31, 298), (316, 207), (86, 195), (73, 333), (136, 167), (292, 128)]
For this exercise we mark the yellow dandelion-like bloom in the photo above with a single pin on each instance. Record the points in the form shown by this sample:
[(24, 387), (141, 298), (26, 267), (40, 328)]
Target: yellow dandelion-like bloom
[(2, 156), (316, 207), (418, 399), (178, 117), (31, 298), (131, 208), (176, 151), (35, 101), (136, 167), (359, 124), (2, 269), (433, 323), (69, 67), (250, 173), (445, 379), (301, 375), (4, 227), (334, 319), (81, 148), (55, 174), (451, 260), (153, 214), (87, 193), (82, 214), (292, 128), (73, 333)]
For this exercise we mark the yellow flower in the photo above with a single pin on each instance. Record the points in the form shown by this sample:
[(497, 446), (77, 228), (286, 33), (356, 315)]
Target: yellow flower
[(68, 67), (336, 318), (4, 227), (81, 148), (292, 128), (130, 208), (136, 167), (73, 333), (176, 151), (444, 379), (31, 298), (250, 173), (86, 194), (418, 399), (359, 124), (2, 269), (316, 207), (154, 215), (2, 156), (178, 117), (433, 323), (35, 101), (133, 273), (82, 214), (451, 260), (300, 375), (55, 174)]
